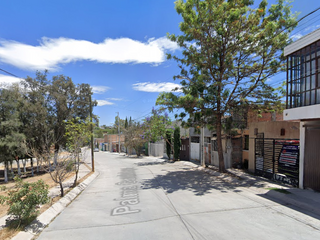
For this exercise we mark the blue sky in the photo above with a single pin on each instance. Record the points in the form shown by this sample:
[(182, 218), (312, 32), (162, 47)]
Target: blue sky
[(118, 47)]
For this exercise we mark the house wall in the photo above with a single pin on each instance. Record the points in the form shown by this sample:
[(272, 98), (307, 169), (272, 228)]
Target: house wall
[(194, 133), (307, 112), (156, 149), (264, 117), (113, 141), (271, 130), (109, 138)]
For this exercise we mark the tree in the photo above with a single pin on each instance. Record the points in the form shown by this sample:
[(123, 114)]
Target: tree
[(63, 165), (134, 137), (158, 127), (77, 134), (62, 170), (12, 141), (36, 114), (176, 143), (126, 123), (230, 50), (62, 93)]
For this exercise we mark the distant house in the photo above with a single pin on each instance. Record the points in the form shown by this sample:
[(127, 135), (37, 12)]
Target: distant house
[(303, 103), (112, 142)]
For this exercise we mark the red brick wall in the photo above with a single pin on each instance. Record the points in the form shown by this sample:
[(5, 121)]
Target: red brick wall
[(265, 117), (109, 138)]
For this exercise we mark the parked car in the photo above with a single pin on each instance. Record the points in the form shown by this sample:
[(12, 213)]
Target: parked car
[(96, 150)]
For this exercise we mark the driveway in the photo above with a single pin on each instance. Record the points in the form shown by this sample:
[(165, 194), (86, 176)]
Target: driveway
[(151, 199)]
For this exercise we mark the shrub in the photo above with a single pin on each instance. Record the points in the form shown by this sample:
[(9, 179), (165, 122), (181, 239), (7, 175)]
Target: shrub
[(23, 201)]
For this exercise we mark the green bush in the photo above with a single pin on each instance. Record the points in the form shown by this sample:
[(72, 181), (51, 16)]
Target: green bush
[(23, 201)]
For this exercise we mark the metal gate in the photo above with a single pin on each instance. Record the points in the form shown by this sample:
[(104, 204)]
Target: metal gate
[(277, 159), (184, 152)]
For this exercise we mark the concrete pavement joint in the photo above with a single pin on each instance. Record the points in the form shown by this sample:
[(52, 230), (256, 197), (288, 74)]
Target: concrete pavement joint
[(112, 225)]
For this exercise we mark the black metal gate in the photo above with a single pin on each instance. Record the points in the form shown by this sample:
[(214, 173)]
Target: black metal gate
[(277, 159)]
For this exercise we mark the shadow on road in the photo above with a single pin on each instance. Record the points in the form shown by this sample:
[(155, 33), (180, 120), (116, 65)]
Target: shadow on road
[(198, 182), (201, 183)]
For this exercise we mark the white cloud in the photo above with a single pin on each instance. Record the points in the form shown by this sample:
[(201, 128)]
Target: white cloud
[(305, 31), (115, 99), (7, 80), (52, 52), (99, 89), (104, 102), (155, 87), (296, 36), (311, 28)]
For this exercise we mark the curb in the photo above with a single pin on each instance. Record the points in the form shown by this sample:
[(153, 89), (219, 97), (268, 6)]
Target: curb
[(289, 199), (38, 225)]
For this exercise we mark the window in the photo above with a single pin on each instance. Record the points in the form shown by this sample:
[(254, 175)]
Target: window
[(246, 142), (303, 76)]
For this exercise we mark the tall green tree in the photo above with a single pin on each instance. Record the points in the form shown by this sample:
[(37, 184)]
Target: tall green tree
[(126, 123), (63, 97), (229, 51), (12, 140), (37, 115)]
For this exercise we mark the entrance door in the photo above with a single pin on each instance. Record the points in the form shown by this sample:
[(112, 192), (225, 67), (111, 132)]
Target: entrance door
[(312, 158), (184, 152)]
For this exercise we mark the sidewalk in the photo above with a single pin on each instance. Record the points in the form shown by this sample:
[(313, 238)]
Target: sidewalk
[(46, 217), (304, 199)]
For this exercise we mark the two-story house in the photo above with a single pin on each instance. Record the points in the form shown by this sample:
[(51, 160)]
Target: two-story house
[(303, 103)]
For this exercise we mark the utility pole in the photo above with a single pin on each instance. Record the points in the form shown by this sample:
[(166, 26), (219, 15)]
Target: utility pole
[(92, 153), (119, 132)]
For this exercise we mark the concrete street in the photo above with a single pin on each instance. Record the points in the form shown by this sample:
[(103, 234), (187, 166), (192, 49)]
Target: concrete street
[(149, 198)]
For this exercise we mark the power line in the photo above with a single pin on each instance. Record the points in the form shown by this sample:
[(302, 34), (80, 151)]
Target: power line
[(9, 73)]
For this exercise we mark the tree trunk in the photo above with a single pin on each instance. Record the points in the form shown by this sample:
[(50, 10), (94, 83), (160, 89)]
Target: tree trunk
[(31, 162), (12, 173), (61, 189), (24, 162), (219, 143), (56, 151), (77, 162), (37, 165), (18, 165), (6, 171), (171, 146)]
